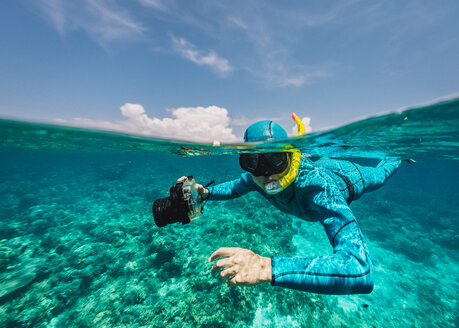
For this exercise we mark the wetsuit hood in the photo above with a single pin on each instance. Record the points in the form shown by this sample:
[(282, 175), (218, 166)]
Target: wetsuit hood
[(264, 130)]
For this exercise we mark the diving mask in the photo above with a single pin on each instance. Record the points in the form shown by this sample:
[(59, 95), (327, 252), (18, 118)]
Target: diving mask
[(264, 164)]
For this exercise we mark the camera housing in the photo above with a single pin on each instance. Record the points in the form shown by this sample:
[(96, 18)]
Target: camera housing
[(183, 204)]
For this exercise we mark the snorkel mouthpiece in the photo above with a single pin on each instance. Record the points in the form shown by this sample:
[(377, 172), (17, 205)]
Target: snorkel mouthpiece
[(273, 187)]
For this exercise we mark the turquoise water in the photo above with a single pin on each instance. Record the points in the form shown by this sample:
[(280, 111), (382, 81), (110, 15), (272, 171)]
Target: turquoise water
[(79, 248)]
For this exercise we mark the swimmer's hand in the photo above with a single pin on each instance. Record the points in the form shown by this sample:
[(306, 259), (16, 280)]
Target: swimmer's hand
[(241, 266), (203, 192)]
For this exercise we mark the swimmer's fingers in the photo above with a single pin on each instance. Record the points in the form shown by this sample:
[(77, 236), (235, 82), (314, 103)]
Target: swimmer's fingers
[(228, 273), (233, 281), (182, 179), (237, 280), (223, 252), (222, 263), (203, 192)]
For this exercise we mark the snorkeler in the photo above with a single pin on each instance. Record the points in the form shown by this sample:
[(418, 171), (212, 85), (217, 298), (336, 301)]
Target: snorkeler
[(313, 191)]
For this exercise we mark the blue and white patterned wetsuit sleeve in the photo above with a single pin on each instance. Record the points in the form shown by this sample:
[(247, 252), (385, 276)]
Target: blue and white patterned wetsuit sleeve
[(231, 189), (347, 271)]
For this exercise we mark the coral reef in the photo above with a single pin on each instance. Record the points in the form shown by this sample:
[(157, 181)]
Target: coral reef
[(79, 248), (19, 276)]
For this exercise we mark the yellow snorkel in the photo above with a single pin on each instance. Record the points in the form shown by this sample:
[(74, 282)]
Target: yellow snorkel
[(299, 124), (276, 186)]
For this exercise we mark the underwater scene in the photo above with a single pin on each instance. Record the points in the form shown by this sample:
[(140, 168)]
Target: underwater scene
[(79, 246)]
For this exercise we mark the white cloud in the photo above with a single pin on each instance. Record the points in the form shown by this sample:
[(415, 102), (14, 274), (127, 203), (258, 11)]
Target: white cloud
[(211, 59), (265, 50), (197, 124), (55, 12), (238, 22), (156, 4), (102, 20), (296, 80), (307, 126), (279, 75), (111, 23)]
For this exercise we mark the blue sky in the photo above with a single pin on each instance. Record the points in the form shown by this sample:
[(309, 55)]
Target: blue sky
[(210, 68)]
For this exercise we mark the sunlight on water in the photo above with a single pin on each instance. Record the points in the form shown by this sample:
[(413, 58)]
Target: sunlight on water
[(79, 248)]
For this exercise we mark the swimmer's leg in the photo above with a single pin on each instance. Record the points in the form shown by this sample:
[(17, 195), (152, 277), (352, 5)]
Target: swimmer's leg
[(375, 177)]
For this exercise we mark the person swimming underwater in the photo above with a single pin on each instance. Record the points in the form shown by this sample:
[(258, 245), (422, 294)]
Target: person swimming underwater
[(314, 191)]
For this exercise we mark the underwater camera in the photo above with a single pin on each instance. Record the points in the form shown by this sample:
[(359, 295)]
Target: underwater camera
[(183, 205)]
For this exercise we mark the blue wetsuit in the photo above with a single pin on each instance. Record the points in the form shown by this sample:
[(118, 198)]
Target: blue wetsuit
[(321, 192)]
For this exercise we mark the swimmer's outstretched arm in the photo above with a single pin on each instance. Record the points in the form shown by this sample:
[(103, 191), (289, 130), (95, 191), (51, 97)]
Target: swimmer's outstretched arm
[(344, 272), (347, 271), (224, 191), (227, 190)]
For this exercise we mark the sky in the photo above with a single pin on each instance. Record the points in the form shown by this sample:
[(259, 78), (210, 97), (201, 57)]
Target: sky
[(205, 70)]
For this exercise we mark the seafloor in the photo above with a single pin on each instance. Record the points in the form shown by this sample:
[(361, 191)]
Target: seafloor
[(79, 248)]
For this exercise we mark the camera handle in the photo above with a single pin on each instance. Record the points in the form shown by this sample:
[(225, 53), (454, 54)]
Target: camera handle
[(207, 198), (207, 185)]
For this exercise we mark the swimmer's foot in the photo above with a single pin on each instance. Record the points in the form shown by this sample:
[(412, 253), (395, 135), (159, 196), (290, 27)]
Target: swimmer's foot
[(409, 160)]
